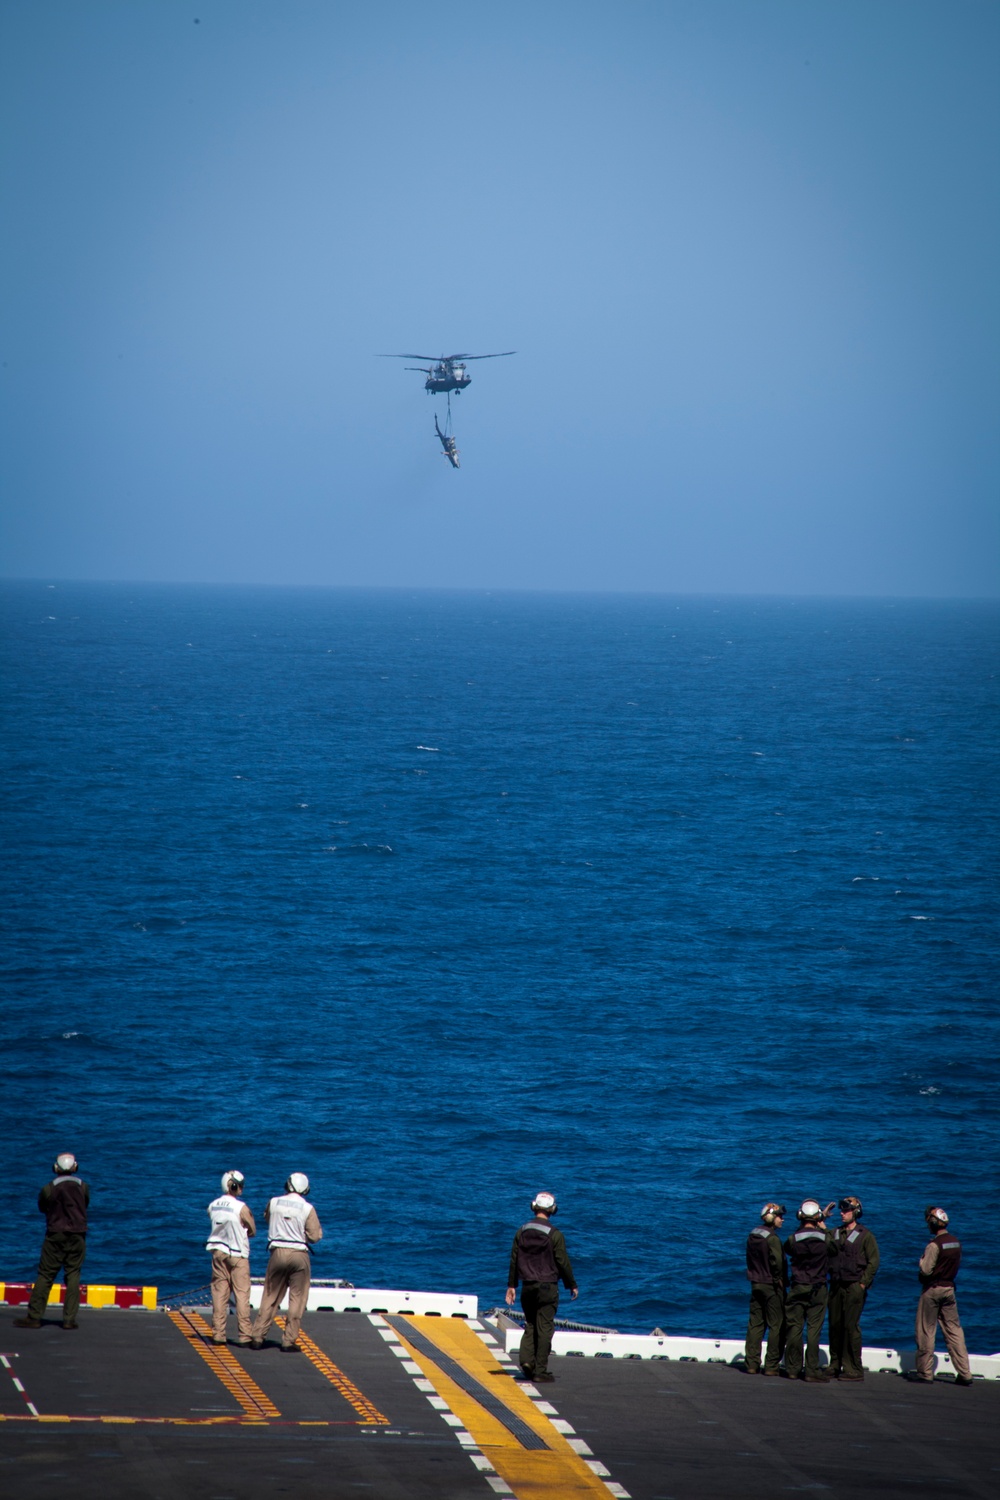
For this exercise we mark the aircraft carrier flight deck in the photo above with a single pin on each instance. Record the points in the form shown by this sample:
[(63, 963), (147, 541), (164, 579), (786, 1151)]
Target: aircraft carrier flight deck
[(416, 1406)]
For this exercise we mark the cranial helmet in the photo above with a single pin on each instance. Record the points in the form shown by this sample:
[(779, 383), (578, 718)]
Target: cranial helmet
[(851, 1205), (297, 1183), (65, 1162), (810, 1210), (544, 1203), (229, 1179), (936, 1216), (772, 1211)]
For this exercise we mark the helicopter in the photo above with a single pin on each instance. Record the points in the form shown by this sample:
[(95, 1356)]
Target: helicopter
[(448, 442), (446, 372)]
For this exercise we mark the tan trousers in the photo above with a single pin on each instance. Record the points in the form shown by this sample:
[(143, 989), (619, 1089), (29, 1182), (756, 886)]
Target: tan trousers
[(230, 1277), (287, 1271), (938, 1305)]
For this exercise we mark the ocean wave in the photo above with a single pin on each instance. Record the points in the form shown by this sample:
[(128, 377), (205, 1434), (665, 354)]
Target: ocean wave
[(358, 849)]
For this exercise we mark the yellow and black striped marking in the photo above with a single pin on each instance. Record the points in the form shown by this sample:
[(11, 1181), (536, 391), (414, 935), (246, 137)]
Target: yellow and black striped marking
[(256, 1405), (554, 1470), (366, 1410)]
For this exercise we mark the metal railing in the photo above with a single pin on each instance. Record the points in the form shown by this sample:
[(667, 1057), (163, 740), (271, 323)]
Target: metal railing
[(517, 1316)]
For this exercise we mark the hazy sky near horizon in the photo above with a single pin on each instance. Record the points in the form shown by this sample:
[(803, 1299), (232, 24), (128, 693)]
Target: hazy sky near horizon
[(746, 250)]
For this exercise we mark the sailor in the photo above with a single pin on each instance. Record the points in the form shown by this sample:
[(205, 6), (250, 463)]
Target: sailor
[(853, 1273), (539, 1260), (64, 1203), (938, 1270), (229, 1242), (767, 1277), (292, 1226), (810, 1250)]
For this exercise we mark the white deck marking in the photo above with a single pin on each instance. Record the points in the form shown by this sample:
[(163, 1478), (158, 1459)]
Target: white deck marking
[(5, 1360), (439, 1404), (560, 1424)]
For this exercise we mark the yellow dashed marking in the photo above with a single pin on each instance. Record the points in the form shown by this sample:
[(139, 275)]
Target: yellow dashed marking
[(366, 1410), (257, 1407), (219, 1360), (181, 1421)]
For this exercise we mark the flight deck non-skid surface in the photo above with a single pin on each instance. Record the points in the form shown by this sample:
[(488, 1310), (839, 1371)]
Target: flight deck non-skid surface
[(679, 1431), (145, 1404), (135, 1403)]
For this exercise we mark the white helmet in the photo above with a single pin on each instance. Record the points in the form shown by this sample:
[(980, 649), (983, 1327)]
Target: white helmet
[(297, 1183), (810, 1210), (65, 1162), (544, 1203), (936, 1216), (228, 1178)]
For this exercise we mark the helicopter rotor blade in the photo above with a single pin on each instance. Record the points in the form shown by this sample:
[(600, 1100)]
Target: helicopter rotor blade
[(503, 355), (432, 358)]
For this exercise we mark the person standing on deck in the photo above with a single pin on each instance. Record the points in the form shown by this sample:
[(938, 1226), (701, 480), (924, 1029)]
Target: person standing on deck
[(539, 1260), (767, 1276), (810, 1250), (64, 1203), (853, 1273), (229, 1242), (938, 1271), (292, 1226)]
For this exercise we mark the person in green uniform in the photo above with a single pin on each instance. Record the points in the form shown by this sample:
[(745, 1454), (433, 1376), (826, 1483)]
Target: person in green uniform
[(539, 1260), (64, 1202), (853, 1273), (810, 1250), (767, 1277)]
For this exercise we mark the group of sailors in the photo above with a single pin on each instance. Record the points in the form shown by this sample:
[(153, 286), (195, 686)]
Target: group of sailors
[(818, 1271), (793, 1285), (292, 1228)]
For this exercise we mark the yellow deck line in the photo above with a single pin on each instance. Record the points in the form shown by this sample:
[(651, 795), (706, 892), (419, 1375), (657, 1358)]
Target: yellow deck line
[(233, 1421), (222, 1364), (366, 1410), (553, 1473)]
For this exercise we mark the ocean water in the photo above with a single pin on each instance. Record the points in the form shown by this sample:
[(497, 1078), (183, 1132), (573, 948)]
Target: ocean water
[(669, 905)]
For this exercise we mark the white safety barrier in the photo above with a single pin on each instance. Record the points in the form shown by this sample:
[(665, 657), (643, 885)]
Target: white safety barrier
[(335, 1297), (725, 1351)]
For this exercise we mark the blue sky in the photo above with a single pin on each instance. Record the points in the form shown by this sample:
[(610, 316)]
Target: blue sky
[(746, 253)]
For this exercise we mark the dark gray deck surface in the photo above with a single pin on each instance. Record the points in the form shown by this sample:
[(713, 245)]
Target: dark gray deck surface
[(683, 1431), (137, 1364), (673, 1431)]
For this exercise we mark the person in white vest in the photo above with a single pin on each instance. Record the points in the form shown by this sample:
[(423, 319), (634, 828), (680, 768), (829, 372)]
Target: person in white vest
[(229, 1242), (292, 1226)]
